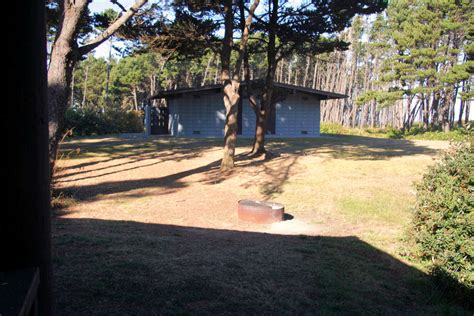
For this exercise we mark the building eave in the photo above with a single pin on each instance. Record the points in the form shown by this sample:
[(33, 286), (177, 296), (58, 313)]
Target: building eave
[(319, 94)]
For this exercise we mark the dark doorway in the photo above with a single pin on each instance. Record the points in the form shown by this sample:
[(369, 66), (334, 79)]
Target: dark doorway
[(159, 120)]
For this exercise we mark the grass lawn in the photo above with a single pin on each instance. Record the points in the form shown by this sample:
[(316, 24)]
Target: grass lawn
[(457, 134), (150, 227)]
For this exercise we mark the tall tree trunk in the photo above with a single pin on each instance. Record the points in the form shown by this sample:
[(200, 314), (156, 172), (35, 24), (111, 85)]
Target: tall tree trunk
[(216, 74), (203, 81), (267, 93), (84, 89), (232, 86), (306, 71), (64, 55), (60, 72), (109, 67), (462, 106), (288, 79), (426, 113), (444, 112), (315, 73), (135, 98), (467, 111), (434, 110), (72, 90)]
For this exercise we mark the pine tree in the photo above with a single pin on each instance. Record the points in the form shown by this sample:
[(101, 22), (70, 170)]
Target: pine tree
[(423, 67)]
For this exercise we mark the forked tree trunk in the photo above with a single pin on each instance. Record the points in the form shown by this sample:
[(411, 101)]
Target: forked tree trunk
[(260, 127), (60, 73), (64, 55), (232, 86), (267, 95)]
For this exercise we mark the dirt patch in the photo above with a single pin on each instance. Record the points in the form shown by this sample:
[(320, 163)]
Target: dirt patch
[(178, 182), (154, 228)]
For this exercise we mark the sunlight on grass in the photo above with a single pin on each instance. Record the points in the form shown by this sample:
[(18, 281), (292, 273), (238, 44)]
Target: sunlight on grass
[(385, 207)]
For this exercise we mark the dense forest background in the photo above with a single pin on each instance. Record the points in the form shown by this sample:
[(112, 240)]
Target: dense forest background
[(411, 63)]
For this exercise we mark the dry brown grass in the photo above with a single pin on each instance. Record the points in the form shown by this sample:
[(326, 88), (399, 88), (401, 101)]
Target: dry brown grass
[(154, 228)]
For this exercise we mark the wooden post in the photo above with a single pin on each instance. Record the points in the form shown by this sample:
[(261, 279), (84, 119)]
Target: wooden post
[(26, 222)]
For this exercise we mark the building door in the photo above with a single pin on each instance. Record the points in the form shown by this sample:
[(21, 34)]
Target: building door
[(159, 120)]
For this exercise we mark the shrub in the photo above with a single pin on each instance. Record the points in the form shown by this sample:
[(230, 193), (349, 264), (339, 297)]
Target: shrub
[(87, 122), (331, 128), (443, 223)]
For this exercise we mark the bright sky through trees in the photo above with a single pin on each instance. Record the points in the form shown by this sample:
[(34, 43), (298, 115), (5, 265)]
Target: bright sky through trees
[(100, 6)]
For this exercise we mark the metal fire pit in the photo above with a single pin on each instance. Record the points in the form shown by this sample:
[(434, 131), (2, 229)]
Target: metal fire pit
[(260, 212)]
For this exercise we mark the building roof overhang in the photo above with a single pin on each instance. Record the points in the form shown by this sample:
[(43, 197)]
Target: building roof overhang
[(319, 94)]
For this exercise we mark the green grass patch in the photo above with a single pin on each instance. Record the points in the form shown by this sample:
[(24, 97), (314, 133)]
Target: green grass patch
[(386, 207), (463, 134)]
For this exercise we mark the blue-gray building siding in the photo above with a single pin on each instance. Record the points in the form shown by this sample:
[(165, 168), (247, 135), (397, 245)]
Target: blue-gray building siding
[(202, 114), (297, 116)]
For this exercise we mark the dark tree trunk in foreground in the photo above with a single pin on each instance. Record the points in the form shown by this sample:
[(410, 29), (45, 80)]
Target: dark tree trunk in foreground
[(64, 56), (26, 224)]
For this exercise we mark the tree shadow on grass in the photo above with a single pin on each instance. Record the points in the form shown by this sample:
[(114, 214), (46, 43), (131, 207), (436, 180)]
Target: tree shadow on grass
[(176, 149), (275, 171), (117, 267), (168, 184), (349, 147)]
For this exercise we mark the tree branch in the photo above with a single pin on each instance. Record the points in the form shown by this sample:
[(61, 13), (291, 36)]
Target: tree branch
[(102, 37), (119, 5), (244, 40)]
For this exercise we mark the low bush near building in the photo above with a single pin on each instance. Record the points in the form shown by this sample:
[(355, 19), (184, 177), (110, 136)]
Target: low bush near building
[(86, 122), (442, 230)]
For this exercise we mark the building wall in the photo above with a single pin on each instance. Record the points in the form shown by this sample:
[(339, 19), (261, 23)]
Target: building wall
[(195, 115), (297, 116), (248, 119)]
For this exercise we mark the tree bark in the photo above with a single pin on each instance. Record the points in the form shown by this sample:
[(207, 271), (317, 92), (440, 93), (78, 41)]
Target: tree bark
[(267, 94), (467, 111), (135, 98), (232, 86), (84, 92), (203, 81), (306, 71), (230, 132), (60, 72), (434, 110), (463, 105), (64, 55)]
